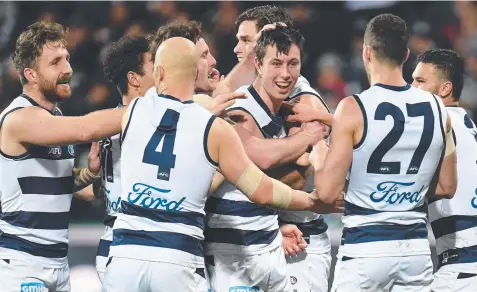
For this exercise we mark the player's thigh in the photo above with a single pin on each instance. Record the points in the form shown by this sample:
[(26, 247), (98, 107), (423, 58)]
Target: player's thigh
[(18, 276), (62, 276), (101, 266), (446, 280), (124, 275), (415, 274), (279, 280), (309, 271), (231, 273), (364, 274)]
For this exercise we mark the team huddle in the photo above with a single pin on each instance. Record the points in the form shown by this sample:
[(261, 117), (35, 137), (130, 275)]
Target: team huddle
[(219, 184)]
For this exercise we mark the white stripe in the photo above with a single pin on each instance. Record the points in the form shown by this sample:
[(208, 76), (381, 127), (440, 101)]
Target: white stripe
[(230, 193), (108, 234), (403, 218), (463, 238), (150, 253), (262, 223), (45, 167), (124, 221), (28, 258), (43, 203), (42, 236), (386, 248)]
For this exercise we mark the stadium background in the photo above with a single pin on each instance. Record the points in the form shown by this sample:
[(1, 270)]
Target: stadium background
[(332, 64)]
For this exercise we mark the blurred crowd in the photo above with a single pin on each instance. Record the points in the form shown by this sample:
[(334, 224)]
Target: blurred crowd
[(333, 32)]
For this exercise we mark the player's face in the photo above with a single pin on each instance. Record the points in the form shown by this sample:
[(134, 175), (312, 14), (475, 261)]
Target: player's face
[(279, 72), (206, 65), (54, 72), (426, 77), (147, 80), (245, 35)]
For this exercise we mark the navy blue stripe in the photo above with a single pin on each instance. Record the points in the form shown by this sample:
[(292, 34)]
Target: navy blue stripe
[(206, 139), (175, 98), (59, 250), (352, 209), (237, 208), (37, 220), (458, 256), (240, 237), (365, 121), (452, 224), (374, 233), (187, 218), (315, 227), (394, 88), (52, 153), (162, 239), (103, 248), (129, 122), (109, 221), (46, 185)]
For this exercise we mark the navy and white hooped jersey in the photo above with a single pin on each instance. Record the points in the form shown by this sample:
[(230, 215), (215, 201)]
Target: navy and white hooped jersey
[(166, 172), (36, 190), (110, 157), (393, 164), (454, 221), (311, 224), (234, 223)]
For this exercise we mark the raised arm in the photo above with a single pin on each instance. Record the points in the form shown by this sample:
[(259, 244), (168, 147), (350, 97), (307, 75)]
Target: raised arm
[(34, 125)]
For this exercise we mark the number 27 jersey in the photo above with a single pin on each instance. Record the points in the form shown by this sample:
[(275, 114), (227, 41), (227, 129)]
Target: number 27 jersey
[(392, 168)]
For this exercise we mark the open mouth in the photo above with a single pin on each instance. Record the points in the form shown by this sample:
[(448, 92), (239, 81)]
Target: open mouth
[(64, 82), (283, 85)]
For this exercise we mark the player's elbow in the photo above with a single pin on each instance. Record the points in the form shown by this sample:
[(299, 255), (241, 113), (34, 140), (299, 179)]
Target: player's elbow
[(446, 191), (264, 161)]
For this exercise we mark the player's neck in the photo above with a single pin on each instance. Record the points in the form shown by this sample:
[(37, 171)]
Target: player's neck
[(386, 75), (127, 98), (272, 103), (451, 102), (40, 98), (180, 90)]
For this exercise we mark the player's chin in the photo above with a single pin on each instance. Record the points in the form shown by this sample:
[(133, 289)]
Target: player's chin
[(63, 92)]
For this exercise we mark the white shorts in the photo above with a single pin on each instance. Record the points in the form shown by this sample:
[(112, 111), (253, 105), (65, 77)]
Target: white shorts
[(102, 258), (309, 272), (447, 279), (383, 274), (21, 276), (127, 275), (250, 273)]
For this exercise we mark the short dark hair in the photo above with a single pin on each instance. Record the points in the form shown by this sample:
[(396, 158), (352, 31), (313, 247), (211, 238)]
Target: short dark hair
[(263, 15), (387, 36), (123, 56), (281, 37), (29, 45), (449, 65), (191, 30)]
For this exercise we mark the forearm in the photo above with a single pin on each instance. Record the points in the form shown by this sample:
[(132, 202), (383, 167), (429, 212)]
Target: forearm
[(82, 178), (103, 123), (270, 153)]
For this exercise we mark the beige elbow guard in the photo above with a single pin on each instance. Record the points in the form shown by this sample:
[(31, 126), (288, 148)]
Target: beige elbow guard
[(250, 180), (450, 144)]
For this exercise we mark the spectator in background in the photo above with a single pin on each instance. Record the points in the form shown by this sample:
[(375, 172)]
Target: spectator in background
[(468, 99), (420, 41), (329, 81)]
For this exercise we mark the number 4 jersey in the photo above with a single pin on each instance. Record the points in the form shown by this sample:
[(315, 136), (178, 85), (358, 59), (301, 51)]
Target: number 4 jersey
[(166, 172), (392, 167)]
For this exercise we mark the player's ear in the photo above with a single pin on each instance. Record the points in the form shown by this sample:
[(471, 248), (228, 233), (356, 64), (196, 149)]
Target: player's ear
[(366, 53), (407, 55), (133, 79), (446, 89), (30, 74)]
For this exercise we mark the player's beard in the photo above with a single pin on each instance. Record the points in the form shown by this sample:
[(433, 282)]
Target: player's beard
[(48, 88)]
